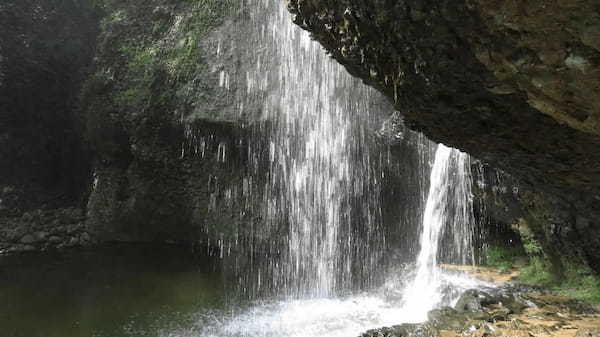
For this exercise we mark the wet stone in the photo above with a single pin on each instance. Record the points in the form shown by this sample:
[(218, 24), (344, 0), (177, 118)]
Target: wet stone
[(19, 248), (28, 248), (16, 233), (54, 240), (446, 318), (28, 239), (74, 241), (72, 229), (40, 236), (404, 330), (473, 301), (27, 217), (85, 237), (498, 313), (77, 213)]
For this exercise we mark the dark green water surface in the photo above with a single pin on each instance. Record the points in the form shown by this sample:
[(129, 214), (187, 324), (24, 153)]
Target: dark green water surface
[(121, 290)]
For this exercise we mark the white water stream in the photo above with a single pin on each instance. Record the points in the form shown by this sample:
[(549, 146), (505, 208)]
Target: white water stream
[(448, 204)]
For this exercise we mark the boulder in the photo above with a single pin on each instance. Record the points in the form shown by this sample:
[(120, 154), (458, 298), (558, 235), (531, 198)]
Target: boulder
[(28, 239), (404, 330)]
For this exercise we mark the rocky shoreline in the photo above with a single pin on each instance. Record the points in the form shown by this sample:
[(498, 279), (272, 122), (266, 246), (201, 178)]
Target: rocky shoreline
[(512, 309), (41, 230)]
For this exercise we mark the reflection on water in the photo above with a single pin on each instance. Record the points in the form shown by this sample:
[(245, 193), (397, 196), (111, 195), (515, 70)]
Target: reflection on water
[(148, 291), (114, 291)]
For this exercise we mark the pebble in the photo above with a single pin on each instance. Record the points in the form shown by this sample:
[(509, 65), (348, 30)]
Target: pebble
[(73, 242), (85, 237), (54, 240), (28, 239), (40, 236), (28, 248)]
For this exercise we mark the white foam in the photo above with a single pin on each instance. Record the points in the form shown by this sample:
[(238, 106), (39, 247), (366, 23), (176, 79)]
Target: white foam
[(324, 317)]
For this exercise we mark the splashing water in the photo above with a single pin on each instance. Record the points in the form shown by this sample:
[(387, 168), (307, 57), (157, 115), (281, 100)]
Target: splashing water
[(303, 318), (447, 209), (321, 317)]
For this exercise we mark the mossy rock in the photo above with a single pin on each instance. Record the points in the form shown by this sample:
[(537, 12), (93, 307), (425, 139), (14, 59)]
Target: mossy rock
[(404, 330)]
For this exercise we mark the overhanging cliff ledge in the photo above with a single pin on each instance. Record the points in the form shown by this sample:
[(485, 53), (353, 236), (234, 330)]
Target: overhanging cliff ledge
[(516, 84)]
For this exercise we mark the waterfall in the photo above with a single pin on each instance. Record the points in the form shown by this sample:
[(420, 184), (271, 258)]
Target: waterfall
[(448, 211), (321, 236), (323, 185)]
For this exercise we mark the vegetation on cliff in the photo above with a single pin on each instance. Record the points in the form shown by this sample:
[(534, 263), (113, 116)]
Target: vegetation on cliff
[(162, 173), (149, 67), (114, 87)]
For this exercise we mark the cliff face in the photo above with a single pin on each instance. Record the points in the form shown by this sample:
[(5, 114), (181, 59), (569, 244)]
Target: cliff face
[(170, 154), (44, 52), (116, 124), (514, 84), (46, 47)]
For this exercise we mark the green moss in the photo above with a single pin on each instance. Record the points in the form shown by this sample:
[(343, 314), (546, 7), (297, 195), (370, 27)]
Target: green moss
[(152, 53), (530, 244), (170, 43), (532, 248), (535, 265), (581, 283), (576, 281), (137, 92), (503, 258), (536, 273)]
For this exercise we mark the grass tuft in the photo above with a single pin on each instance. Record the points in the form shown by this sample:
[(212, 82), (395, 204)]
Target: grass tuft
[(502, 258), (581, 283), (536, 273)]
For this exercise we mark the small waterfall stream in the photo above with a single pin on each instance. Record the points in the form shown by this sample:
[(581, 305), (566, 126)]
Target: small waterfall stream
[(448, 205)]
